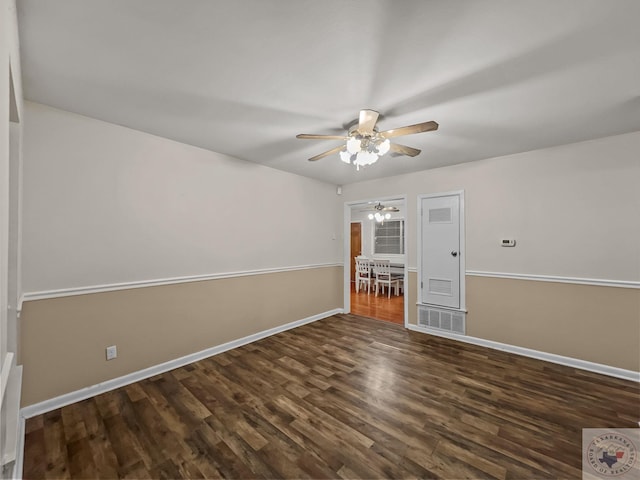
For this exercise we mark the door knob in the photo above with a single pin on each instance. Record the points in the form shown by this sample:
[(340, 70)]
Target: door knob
[(454, 253)]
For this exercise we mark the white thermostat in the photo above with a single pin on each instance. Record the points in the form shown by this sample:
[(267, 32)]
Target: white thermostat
[(505, 242)]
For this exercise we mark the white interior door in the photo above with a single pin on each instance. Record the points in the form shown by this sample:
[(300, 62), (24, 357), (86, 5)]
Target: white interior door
[(441, 250)]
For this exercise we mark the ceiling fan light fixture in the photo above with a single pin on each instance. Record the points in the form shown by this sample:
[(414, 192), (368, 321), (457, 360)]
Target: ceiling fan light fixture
[(364, 150), (381, 213), (379, 217), (364, 158), (365, 143)]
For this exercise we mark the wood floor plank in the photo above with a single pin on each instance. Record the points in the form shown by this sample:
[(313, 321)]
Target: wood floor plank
[(73, 424), (290, 452), (202, 442), (35, 450), (130, 454), (81, 462), (380, 307), (55, 446), (344, 397), (239, 452), (104, 458)]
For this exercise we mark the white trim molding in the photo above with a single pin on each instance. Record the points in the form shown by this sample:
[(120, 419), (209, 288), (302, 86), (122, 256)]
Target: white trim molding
[(88, 392), (440, 307), (537, 354), (69, 292), (19, 463), (557, 279), (5, 370)]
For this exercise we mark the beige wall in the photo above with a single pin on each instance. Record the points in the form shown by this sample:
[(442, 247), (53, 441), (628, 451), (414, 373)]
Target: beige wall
[(587, 322), (63, 339), (573, 212)]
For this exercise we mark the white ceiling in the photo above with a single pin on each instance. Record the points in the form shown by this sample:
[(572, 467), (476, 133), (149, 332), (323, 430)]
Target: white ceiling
[(243, 77)]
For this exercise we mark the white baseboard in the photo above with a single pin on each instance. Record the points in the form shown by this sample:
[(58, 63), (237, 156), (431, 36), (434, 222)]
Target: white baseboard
[(537, 354), (88, 392), (17, 467), (14, 431)]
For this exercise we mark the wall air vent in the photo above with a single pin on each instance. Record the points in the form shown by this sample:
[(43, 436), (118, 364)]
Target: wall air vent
[(440, 215), (441, 319), (441, 287)]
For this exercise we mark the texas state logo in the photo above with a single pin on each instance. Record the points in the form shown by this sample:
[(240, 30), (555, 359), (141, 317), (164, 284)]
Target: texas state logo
[(611, 453)]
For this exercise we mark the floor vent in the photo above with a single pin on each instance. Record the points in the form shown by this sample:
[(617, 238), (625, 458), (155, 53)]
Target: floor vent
[(449, 320)]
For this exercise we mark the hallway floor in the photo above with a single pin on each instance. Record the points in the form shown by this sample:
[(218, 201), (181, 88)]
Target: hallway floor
[(380, 307)]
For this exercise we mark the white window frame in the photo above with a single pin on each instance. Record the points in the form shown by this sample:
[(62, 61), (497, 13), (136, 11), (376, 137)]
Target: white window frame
[(402, 238)]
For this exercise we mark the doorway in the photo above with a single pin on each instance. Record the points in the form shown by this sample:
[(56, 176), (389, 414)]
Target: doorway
[(375, 239)]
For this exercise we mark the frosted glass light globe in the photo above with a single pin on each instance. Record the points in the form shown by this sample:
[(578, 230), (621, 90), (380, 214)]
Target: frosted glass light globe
[(384, 147), (345, 156), (353, 145), (365, 158)]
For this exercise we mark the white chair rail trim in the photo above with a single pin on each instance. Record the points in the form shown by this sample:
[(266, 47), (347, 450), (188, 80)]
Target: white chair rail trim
[(68, 292), (601, 282), (558, 279)]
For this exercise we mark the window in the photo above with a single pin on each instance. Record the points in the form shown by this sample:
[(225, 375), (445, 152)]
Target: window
[(388, 237)]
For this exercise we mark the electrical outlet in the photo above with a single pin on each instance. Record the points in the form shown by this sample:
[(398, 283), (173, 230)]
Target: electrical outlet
[(112, 352)]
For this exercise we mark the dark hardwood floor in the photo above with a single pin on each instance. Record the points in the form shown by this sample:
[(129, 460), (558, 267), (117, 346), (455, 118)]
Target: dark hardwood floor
[(344, 397), (381, 307)]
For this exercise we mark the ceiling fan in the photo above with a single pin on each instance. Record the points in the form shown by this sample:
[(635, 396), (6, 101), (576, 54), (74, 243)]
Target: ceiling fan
[(365, 144), (380, 216), (378, 207)]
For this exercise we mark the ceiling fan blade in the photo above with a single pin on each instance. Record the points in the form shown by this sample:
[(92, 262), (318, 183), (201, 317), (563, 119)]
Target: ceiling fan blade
[(391, 209), (367, 122), (404, 150), (326, 154), (308, 136), (410, 129)]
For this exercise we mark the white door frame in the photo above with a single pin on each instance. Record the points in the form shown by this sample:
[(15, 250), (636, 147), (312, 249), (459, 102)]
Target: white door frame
[(347, 250), (463, 251)]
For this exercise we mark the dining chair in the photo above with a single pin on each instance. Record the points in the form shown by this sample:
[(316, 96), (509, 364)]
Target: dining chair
[(383, 276), (363, 274)]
